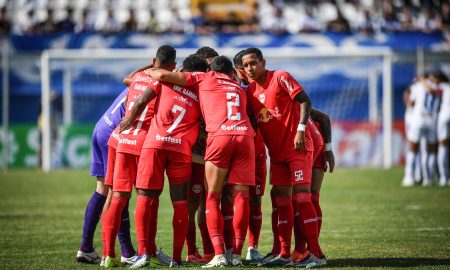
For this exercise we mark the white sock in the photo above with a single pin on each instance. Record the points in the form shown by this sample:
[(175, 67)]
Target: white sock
[(409, 165), (443, 163), (417, 168), (424, 163)]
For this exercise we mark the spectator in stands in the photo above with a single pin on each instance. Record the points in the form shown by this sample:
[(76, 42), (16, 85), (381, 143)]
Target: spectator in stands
[(177, 25), (365, 23), (111, 24), (309, 23), (84, 25), (428, 21), (5, 24), (131, 24), (152, 25), (47, 26), (389, 22), (445, 21), (201, 26), (67, 24), (407, 19), (251, 21), (25, 26), (339, 25), (276, 23)]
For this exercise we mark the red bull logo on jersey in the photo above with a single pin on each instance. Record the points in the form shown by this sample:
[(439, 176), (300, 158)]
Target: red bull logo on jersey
[(265, 115)]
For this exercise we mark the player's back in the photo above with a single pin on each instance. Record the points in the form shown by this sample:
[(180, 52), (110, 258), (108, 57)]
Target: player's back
[(426, 105), (445, 102), (132, 139), (112, 116), (175, 124), (223, 104)]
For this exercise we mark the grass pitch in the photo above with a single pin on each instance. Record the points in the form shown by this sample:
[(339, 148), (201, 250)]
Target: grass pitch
[(369, 220)]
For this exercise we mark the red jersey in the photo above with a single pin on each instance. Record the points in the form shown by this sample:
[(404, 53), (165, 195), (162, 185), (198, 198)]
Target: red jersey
[(277, 113), (175, 125), (223, 103), (315, 135), (131, 140)]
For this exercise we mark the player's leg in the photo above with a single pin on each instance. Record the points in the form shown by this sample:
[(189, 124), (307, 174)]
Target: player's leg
[(226, 206), (429, 161), (86, 252), (124, 177), (194, 198), (208, 248), (149, 184), (411, 159), (179, 172), (255, 218), (316, 184), (443, 151)]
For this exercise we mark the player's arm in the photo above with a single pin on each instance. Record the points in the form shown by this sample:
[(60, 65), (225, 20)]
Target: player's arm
[(163, 75), (325, 124), (300, 140), (129, 78), (138, 107)]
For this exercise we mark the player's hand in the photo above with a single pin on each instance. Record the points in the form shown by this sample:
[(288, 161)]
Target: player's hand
[(329, 159), (299, 141), (125, 123)]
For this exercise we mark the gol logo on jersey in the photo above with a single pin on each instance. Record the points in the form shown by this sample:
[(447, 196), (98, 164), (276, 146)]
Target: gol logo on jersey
[(265, 115)]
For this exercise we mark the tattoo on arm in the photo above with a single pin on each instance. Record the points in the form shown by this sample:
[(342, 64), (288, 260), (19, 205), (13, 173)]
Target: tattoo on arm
[(304, 100)]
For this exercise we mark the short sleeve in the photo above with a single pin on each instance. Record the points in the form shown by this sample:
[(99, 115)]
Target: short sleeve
[(193, 78), (289, 84)]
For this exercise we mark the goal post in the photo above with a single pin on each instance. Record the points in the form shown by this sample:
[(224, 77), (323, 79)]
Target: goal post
[(377, 64)]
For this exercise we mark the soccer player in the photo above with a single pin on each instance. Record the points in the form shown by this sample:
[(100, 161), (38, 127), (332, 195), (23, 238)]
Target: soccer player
[(100, 136), (229, 150), (196, 195), (128, 150), (444, 132), (282, 110), (322, 155), (425, 112), (257, 191), (167, 147)]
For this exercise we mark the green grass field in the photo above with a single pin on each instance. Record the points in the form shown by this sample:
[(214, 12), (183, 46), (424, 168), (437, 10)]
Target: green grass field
[(370, 221)]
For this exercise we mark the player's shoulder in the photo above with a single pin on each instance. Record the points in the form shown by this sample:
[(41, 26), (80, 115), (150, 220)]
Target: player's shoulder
[(278, 73)]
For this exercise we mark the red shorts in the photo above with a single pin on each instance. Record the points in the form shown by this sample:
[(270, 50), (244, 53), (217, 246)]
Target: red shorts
[(197, 183), (296, 170), (260, 176), (153, 164), (319, 162), (125, 170), (235, 152), (110, 166)]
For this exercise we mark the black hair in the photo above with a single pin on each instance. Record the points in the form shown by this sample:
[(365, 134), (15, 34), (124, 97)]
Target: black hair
[(166, 54), (255, 51), (194, 63), (237, 59), (206, 52), (222, 64)]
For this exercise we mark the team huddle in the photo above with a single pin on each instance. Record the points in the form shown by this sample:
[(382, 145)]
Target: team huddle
[(427, 121), (207, 127)]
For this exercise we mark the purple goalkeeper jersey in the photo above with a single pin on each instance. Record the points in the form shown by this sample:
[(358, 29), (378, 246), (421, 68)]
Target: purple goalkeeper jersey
[(111, 118)]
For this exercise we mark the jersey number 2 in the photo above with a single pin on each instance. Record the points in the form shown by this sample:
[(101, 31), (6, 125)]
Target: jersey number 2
[(231, 104)]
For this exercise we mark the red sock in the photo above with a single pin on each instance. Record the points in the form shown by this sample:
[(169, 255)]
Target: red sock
[(180, 226), (274, 217), (240, 219), (206, 240), (309, 217), (285, 223), (214, 221), (142, 219), (299, 227), (254, 226), (191, 238), (151, 248), (112, 223), (315, 201), (228, 232)]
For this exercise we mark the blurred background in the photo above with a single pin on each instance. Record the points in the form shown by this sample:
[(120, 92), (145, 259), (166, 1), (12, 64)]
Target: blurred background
[(354, 58)]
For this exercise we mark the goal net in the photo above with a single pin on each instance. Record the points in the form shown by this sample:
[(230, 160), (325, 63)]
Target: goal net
[(353, 86)]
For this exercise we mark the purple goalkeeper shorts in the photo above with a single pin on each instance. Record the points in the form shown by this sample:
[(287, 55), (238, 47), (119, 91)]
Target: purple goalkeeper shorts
[(99, 154)]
